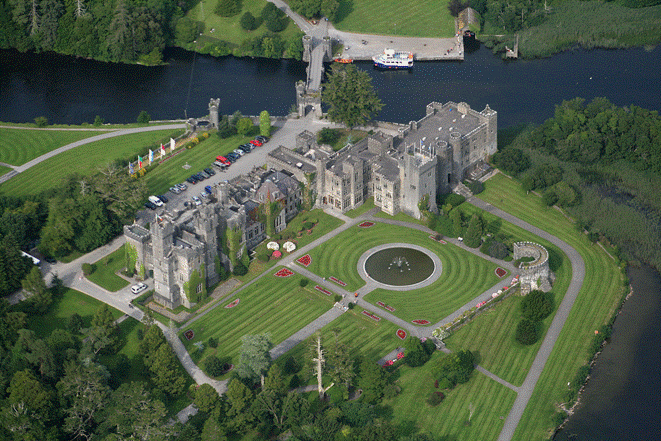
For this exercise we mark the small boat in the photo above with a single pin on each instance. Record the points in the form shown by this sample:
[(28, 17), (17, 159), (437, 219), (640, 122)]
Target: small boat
[(392, 59), (343, 60), (469, 35)]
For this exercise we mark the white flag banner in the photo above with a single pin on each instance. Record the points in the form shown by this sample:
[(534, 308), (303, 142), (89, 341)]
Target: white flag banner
[(151, 156), (172, 145)]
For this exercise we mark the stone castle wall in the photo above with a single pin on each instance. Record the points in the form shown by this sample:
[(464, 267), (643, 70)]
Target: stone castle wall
[(536, 274)]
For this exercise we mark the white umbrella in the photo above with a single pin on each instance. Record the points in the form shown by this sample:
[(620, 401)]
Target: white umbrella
[(273, 246), (289, 246)]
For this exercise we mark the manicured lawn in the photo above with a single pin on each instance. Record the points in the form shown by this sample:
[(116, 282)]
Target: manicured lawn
[(415, 18), (84, 160), (202, 155), (18, 146), (491, 402), (62, 308), (400, 217), (596, 302), (229, 28), (4, 170), (491, 335), (449, 292), (104, 273), (367, 206), (272, 304)]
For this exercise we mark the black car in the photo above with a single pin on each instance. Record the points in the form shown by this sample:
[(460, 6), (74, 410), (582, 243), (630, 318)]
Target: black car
[(245, 148), (232, 157), (150, 205), (209, 171), (162, 198), (192, 180), (204, 175), (262, 139)]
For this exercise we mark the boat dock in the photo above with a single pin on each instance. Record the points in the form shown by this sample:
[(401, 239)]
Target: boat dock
[(364, 47)]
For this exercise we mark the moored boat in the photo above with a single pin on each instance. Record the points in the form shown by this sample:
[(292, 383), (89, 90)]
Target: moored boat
[(343, 60), (392, 59)]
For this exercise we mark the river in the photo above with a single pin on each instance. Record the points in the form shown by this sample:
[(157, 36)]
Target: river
[(621, 401), (72, 91)]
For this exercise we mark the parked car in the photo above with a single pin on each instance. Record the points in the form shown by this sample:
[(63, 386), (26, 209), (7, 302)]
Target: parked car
[(204, 175), (239, 152), (245, 149), (232, 157), (156, 201), (199, 177), (256, 143), (162, 198), (220, 165), (208, 189), (204, 195), (209, 171), (182, 186), (262, 139), (175, 190), (191, 180), (150, 205), (197, 200), (137, 289), (223, 159)]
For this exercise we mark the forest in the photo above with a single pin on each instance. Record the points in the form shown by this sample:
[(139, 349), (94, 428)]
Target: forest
[(599, 162)]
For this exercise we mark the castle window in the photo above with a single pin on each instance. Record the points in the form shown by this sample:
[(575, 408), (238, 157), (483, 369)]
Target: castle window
[(199, 288)]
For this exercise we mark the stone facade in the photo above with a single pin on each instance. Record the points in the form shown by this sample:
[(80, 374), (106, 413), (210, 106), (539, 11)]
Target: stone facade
[(535, 274), (183, 248)]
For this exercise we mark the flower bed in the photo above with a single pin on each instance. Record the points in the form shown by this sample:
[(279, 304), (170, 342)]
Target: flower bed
[(401, 334), (441, 241), (501, 272), (336, 280), (421, 322), (305, 260), (189, 334), (233, 304), (388, 307), (284, 273), (372, 316), (400, 355), (324, 290), (366, 224), (481, 304)]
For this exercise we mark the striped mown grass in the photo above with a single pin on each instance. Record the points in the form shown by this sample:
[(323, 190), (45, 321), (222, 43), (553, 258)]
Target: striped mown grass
[(414, 18), (490, 400), (83, 160), (105, 270), (18, 146), (596, 302), (272, 304), (4, 170)]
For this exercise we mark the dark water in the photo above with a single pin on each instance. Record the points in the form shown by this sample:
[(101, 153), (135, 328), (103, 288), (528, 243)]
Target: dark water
[(399, 266), (622, 401), (69, 90)]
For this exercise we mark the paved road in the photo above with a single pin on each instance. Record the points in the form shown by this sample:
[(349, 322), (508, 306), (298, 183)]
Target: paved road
[(578, 275), (112, 134)]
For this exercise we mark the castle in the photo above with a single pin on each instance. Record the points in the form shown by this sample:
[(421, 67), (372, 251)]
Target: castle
[(427, 157), (185, 248)]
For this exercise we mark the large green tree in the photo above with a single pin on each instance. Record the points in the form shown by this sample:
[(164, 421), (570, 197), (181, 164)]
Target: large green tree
[(350, 95), (255, 359)]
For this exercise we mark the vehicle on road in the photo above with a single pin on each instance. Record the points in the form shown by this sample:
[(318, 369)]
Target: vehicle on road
[(155, 200), (256, 143), (150, 205), (175, 190), (204, 195), (163, 198), (137, 289), (197, 200)]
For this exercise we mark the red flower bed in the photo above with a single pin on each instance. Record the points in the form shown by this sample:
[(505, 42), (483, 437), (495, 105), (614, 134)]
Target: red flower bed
[(421, 322), (189, 334), (481, 304), (388, 307), (388, 363), (400, 356), (336, 280), (372, 316), (305, 260), (366, 224), (324, 290), (401, 334), (500, 272), (284, 273), (233, 304)]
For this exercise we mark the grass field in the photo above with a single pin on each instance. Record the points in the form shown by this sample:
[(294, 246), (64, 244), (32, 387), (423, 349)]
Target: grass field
[(4, 170), (367, 206), (491, 402), (18, 146), (229, 29), (432, 303), (272, 304), (62, 308), (104, 273), (83, 160), (415, 18), (596, 302)]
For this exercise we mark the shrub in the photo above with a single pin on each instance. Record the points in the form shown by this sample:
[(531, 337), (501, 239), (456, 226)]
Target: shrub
[(390, 391), (537, 305), (291, 366), (248, 22), (476, 187), (41, 121), (528, 332), (435, 398), (88, 268), (304, 282), (549, 198), (337, 298), (444, 383), (308, 225), (240, 270), (263, 257), (454, 199), (498, 250), (351, 305), (328, 136), (213, 342), (294, 382), (213, 366), (143, 117), (227, 8)]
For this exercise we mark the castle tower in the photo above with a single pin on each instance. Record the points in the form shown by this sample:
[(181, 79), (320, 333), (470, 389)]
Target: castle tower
[(307, 48), (328, 50), (166, 290), (206, 226), (491, 117), (213, 112)]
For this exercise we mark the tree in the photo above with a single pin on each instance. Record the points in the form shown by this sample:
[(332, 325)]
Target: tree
[(265, 120), (143, 117), (227, 8), (474, 233), (206, 398), (350, 95), (415, 354), (454, 368), (25, 388), (239, 398), (40, 297), (75, 323), (255, 359), (248, 21), (528, 331), (275, 381), (341, 365), (455, 7), (213, 365), (537, 305), (41, 121), (373, 380), (457, 218), (244, 125), (98, 121), (13, 266), (186, 30), (152, 340), (166, 371), (120, 194)]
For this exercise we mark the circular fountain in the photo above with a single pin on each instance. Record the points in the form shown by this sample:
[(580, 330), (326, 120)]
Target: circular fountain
[(399, 266)]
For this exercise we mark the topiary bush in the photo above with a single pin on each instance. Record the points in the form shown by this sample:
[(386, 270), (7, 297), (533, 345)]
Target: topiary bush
[(88, 268), (213, 365), (337, 298), (528, 332), (240, 270), (537, 305), (213, 342), (263, 257), (304, 282)]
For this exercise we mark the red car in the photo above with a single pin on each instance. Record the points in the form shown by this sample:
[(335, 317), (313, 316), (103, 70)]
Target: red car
[(256, 143), (223, 160)]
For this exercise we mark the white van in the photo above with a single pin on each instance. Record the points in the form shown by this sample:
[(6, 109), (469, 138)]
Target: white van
[(156, 201)]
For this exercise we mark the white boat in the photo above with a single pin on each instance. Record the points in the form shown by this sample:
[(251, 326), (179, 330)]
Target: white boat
[(392, 59)]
